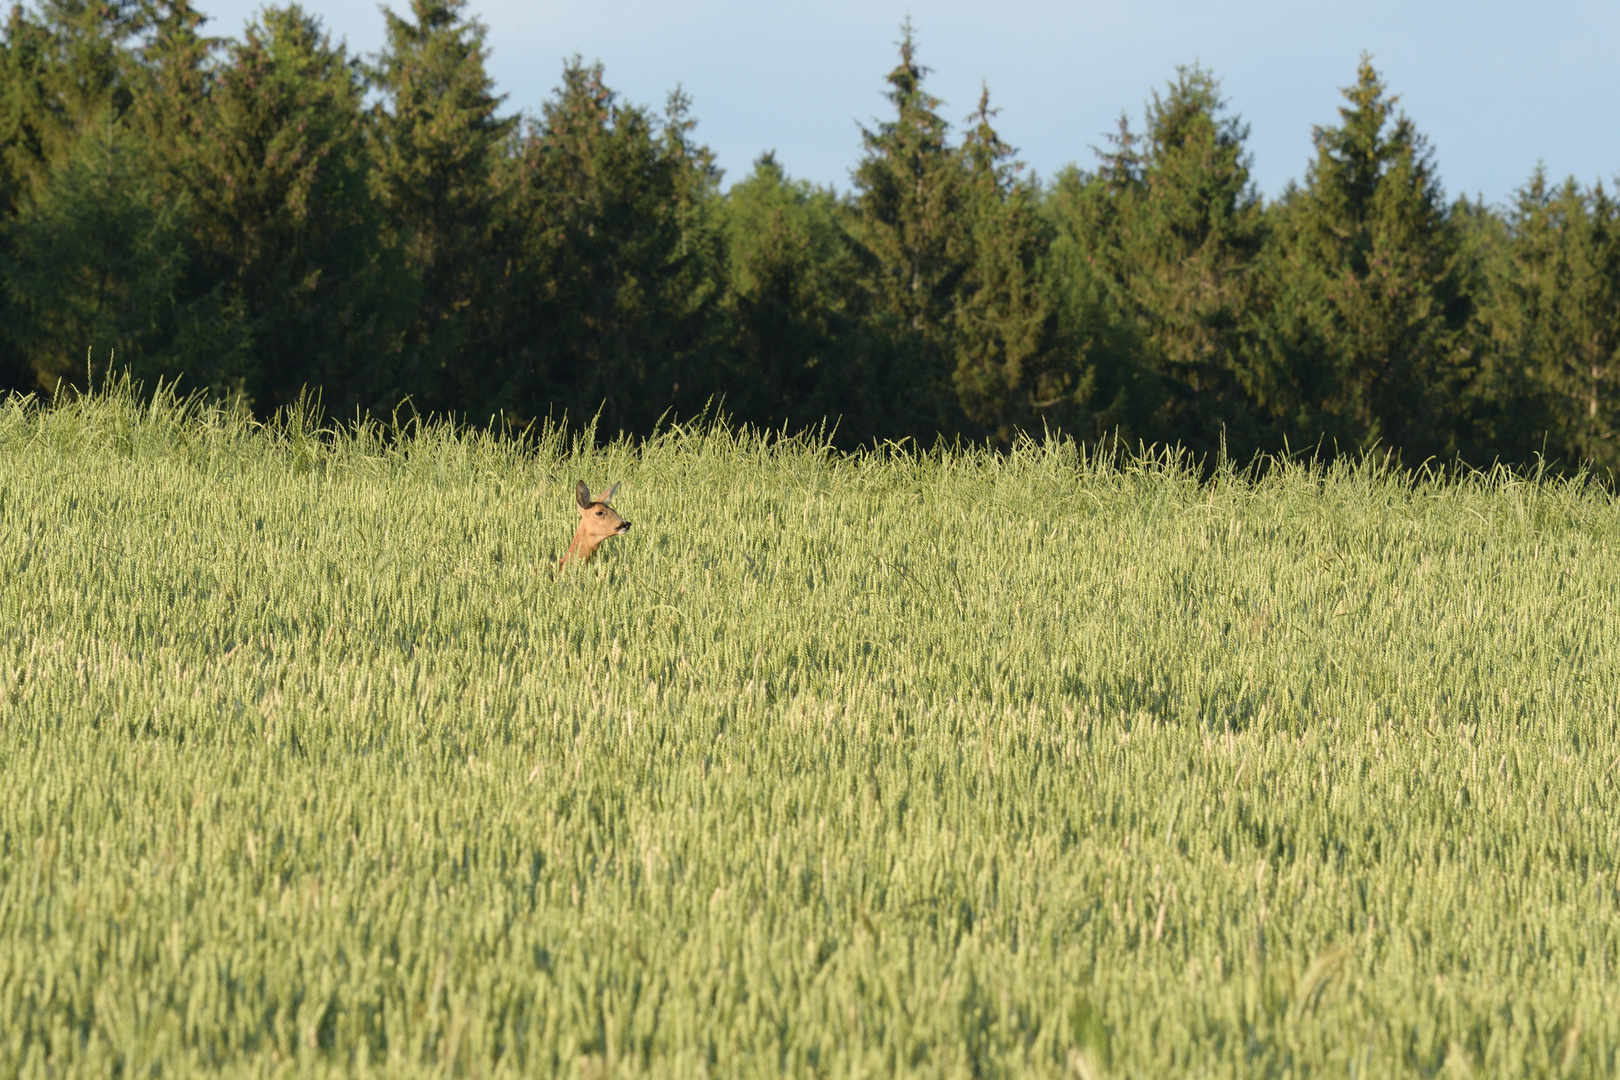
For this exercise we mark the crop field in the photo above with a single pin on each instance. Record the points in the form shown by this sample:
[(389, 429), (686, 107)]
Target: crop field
[(944, 764)]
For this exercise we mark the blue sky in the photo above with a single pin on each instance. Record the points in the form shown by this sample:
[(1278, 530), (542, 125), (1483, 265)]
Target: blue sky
[(1495, 86)]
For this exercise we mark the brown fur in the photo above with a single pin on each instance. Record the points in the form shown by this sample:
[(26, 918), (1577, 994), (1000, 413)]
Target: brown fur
[(597, 522)]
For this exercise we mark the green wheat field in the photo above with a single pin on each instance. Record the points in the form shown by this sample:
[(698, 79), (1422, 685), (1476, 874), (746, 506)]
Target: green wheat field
[(899, 764)]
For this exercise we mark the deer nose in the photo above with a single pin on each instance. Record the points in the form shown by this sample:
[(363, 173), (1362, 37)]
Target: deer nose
[(624, 527)]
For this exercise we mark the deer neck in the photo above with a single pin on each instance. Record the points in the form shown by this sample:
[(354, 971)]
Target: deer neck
[(583, 546)]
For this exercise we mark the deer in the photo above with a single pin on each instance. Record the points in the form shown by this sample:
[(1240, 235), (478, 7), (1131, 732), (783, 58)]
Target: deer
[(597, 522)]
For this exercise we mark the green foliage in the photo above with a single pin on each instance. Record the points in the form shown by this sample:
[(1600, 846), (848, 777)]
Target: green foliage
[(269, 218), (81, 68), (953, 765), (172, 85), (909, 201), (96, 254), (794, 312), (284, 217), (1015, 369), (63, 73), (439, 151), (1555, 315), (1084, 210), (1174, 228), (1195, 233), (96, 264), (1367, 278), (620, 261), (24, 134)]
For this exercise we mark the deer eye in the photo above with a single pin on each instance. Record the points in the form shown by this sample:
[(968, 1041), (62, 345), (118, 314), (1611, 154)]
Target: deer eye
[(599, 513)]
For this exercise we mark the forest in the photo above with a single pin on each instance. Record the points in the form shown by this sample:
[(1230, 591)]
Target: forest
[(274, 219)]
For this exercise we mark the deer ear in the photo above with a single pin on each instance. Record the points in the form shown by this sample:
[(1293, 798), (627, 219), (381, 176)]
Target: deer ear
[(607, 496), (582, 495)]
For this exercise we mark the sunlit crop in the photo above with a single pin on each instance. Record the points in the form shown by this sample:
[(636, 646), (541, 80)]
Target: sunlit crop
[(940, 765)]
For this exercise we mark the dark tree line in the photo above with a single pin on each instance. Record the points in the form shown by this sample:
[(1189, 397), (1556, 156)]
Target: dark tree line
[(256, 217)]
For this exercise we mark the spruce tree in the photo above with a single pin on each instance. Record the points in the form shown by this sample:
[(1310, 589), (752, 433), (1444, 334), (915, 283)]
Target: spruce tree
[(95, 261), (1554, 318), (172, 90), (1094, 306), (1195, 233), (64, 74), (1015, 371), (1366, 341), (439, 147), (790, 267), (285, 219), (1157, 252), (615, 296), (98, 254), (25, 112), (908, 205), (91, 55), (22, 156), (172, 82), (1585, 377)]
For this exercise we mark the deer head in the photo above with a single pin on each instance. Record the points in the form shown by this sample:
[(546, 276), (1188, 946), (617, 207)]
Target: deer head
[(597, 522)]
